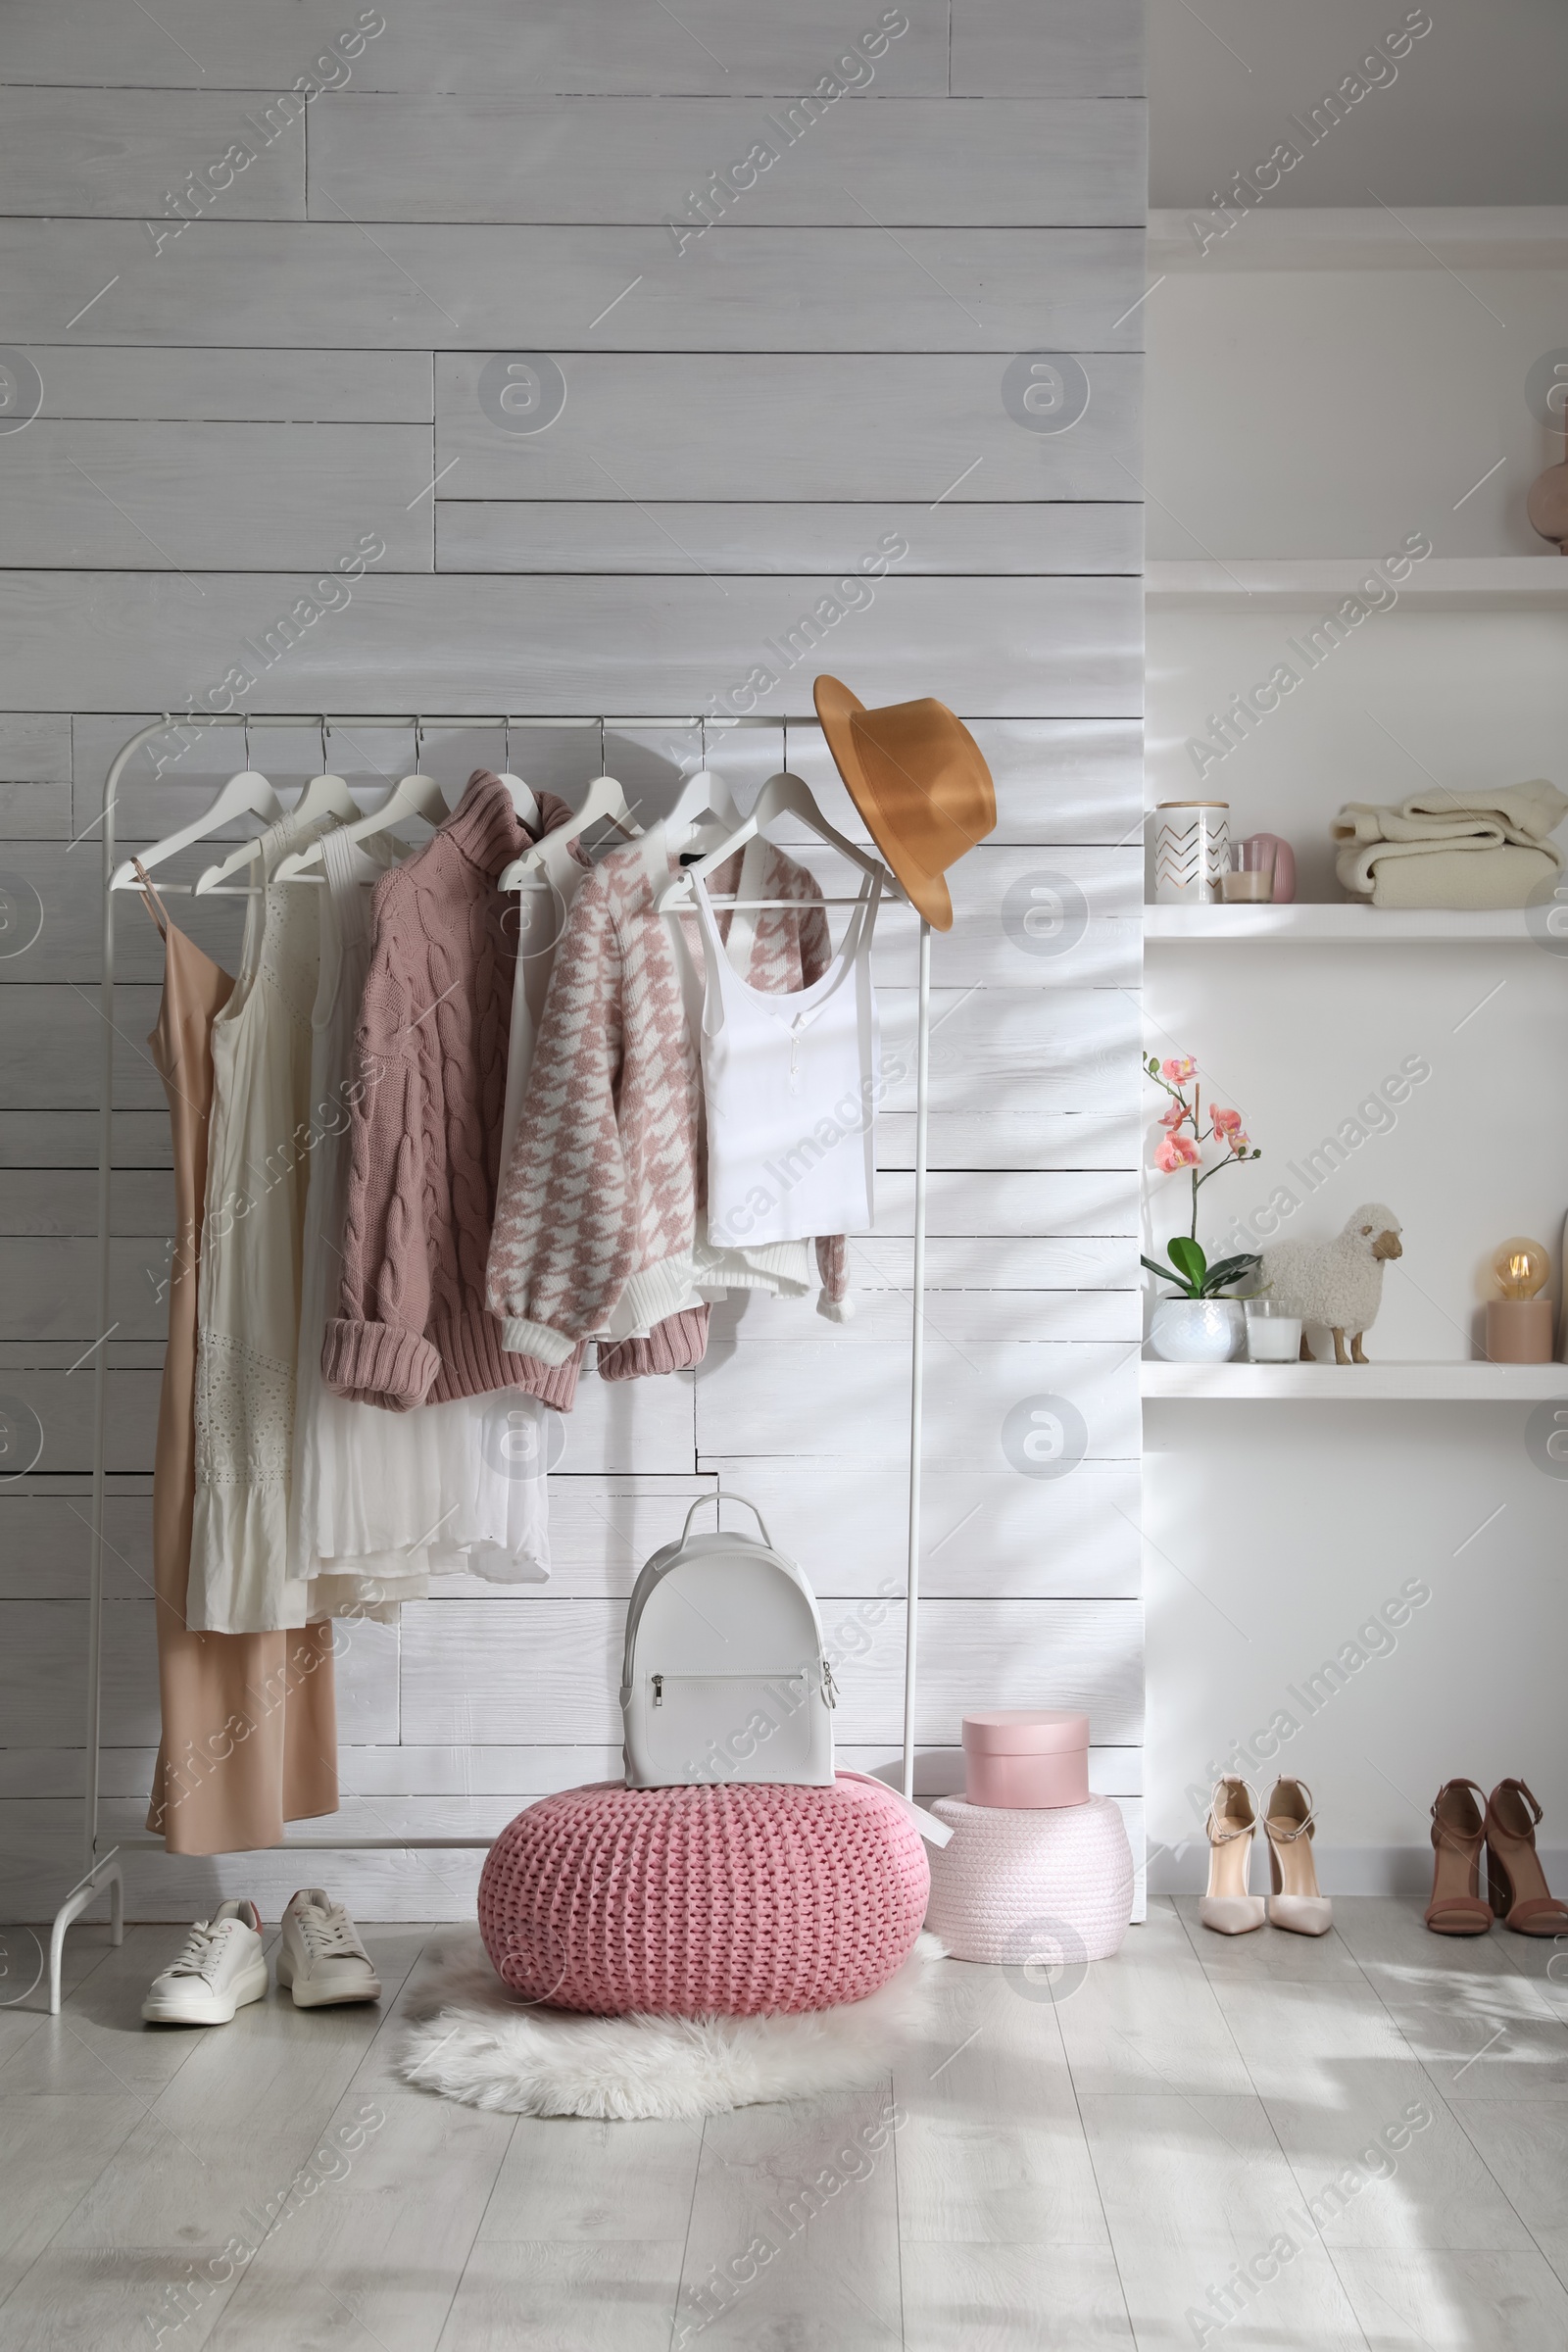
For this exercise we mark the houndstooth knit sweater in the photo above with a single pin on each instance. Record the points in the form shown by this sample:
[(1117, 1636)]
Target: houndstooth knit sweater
[(600, 1225), (412, 1326)]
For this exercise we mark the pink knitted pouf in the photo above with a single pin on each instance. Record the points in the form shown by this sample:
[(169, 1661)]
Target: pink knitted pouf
[(1012, 1887), (737, 1900)]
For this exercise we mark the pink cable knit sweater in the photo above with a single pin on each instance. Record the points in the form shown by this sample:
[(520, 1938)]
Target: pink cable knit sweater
[(601, 1207), (412, 1326)]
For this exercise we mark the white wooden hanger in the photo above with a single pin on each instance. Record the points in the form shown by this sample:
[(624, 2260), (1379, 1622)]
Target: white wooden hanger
[(248, 794), (324, 796), (522, 800), (703, 810), (782, 795), (604, 801), (416, 795)]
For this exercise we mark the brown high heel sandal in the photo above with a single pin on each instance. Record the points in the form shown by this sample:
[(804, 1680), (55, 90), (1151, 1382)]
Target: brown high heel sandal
[(1515, 1880), (1459, 1833)]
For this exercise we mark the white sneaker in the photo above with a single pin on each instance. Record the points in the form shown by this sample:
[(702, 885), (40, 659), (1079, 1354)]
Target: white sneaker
[(321, 1954), (221, 1966)]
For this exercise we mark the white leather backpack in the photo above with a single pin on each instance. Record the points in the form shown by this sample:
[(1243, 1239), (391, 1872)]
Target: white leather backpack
[(724, 1677)]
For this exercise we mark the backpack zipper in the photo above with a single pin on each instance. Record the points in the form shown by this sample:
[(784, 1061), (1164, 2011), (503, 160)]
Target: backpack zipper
[(799, 1676)]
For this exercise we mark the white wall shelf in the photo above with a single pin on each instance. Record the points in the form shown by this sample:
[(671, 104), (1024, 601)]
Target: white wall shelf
[(1352, 1384), (1239, 583), (1305, 924), (1497, 236)]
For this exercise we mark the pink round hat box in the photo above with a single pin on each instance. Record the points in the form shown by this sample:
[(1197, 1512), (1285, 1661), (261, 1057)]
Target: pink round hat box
[(1026, 1758)]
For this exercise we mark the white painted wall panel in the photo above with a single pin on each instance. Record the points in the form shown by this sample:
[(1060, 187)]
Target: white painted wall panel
[(529, 533), (242, 387), (744, 422), (495, 1672), (34, 776), (743, 425), (1022, 1049), (1094, 47), (69, 1139), (726, 47), (1056, 162), (813, 1398), (84, 496), (51, 1199), (61, 1403), (987, 1537), (126, 154), (1043, 648), (1105, 1141), (453, 288), (50, 1047)]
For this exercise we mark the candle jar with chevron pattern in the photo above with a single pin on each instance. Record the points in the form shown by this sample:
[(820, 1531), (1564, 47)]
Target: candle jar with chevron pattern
[(1192, 851)]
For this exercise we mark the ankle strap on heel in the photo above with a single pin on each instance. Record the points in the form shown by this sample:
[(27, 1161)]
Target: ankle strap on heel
[(1219, 1836), (1303, 1829), (1521, 1788), (1447, 1832)]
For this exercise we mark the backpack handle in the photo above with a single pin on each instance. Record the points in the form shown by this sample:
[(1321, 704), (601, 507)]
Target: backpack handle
[(723, 1495)]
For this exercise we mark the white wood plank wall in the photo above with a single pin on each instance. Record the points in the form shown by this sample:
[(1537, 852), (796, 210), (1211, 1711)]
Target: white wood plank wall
[(751, 415)]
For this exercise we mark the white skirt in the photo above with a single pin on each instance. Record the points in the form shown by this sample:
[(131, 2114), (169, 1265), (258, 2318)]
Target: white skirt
[(447, 1489)]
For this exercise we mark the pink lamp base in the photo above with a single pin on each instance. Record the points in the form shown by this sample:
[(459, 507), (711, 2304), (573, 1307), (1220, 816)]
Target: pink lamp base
[(1519, 1331)]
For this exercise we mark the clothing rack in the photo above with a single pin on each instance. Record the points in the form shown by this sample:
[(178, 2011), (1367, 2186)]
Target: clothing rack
[(102, 1870)]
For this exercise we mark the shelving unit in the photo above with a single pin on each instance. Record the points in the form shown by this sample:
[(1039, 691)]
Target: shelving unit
[(1358, 1384), (1293, 416)]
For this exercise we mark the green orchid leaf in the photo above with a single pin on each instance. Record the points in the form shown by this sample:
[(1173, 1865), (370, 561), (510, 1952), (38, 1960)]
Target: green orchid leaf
[(1229, 1270), (1188, 1256), (1162, 1273)]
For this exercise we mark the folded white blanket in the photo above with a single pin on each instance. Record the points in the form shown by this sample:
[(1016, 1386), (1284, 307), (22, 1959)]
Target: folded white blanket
[(1487, 849), (1504, 877)]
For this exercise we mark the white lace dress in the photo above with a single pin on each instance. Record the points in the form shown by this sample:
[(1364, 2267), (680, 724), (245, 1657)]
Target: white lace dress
[(381, 1501), (248, 1297)]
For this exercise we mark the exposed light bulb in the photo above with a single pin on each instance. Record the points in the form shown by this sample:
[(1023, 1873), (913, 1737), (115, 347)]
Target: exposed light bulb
[(1521, 1268)]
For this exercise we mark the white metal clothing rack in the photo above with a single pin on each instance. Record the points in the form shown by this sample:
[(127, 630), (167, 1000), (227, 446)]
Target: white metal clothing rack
[(102, 1870)]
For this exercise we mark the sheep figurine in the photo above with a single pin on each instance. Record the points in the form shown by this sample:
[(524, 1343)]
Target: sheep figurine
[(1339, 1283)]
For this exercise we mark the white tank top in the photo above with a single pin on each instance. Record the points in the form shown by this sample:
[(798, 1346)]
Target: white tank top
[(791, 1084)]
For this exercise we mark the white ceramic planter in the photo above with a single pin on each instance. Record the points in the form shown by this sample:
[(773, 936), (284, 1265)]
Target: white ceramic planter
[(1197, 1331)]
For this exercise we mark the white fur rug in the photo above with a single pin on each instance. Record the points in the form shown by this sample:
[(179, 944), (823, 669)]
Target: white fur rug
[(475, 2041)]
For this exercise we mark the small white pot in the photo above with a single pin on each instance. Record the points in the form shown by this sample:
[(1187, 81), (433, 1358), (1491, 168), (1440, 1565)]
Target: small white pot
[(1197, 1331)]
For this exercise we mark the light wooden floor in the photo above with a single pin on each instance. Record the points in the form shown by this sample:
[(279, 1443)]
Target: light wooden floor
[(1078, 2174)]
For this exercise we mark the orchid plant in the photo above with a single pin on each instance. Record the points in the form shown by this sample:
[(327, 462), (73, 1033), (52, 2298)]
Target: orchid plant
[(1181, 1147)]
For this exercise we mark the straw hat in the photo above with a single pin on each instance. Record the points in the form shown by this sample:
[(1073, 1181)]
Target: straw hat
[(917, 777)]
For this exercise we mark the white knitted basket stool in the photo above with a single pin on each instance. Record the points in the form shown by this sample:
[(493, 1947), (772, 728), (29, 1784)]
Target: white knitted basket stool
[(1014, 1888)]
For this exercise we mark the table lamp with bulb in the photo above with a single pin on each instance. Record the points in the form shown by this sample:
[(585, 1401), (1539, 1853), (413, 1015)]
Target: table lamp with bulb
[(1519, 1323)]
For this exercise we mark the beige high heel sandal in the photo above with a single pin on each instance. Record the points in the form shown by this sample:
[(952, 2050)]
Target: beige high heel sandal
[(1294, 1902), (1228, 1907)]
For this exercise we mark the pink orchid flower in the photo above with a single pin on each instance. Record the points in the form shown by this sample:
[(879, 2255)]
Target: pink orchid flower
[(1239, 1141), (1176, 1151), (1226, 1122), (1178, 1073), (1175, 1115)]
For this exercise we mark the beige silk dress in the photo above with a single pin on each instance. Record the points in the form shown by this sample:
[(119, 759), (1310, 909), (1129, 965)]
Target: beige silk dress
[(249, 1720)]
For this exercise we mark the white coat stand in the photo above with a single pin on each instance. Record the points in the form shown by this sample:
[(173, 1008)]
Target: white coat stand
[(102, 1869)]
